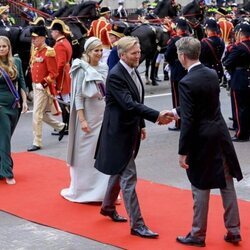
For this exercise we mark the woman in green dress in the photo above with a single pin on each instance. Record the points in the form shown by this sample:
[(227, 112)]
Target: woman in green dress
[(12, 103)]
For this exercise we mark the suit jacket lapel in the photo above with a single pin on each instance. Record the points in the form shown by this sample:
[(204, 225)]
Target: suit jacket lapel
[(130, 82)]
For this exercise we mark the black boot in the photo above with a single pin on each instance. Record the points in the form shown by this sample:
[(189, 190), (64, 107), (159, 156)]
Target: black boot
[(156, 74)]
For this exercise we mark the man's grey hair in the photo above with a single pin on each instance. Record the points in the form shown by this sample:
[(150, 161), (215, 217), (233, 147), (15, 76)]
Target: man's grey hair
[(126, 43), (189, 46)]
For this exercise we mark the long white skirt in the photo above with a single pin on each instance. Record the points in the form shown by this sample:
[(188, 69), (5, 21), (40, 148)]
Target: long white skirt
[(87, 184)]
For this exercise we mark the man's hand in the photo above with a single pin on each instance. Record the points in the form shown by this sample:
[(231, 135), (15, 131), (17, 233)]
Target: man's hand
[(165, 117), (143, 134), (182, 161)]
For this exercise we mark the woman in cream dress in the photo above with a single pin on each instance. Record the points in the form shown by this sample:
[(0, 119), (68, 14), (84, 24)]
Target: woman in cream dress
[(87, 106)]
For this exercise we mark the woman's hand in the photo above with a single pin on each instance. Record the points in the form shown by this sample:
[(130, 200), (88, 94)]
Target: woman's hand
[(85, 127)]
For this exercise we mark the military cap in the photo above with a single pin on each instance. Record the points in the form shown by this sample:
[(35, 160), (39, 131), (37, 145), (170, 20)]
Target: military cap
[(244, 27), (38, 31), (105, 10), (211, 24), (60, 26), (221, 11), (181, 23), (117, 30)]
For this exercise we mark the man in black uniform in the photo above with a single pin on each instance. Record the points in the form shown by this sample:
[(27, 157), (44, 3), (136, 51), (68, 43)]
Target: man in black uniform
[(238, 64), (176, 69), (212, 48)]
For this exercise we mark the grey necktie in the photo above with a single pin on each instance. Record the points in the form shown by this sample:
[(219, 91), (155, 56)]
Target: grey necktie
[(137, 82)]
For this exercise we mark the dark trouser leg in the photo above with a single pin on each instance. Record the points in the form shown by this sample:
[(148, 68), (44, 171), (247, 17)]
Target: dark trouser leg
[(112, 193), (127, 179), (175, 100), (241, 99), (233, 110), (200, 208), (128, 182), (65, 114), (230, 204)]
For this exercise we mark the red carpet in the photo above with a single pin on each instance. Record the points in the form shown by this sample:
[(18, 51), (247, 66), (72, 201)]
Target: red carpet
[(166, 210)]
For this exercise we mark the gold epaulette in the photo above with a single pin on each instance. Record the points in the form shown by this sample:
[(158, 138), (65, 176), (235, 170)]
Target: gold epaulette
[(50, 52)]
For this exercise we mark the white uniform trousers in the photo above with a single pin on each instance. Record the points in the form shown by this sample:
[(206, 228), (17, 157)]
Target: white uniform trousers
[(41, 113)]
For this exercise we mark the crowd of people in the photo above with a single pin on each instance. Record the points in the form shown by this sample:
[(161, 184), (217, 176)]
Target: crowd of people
[(101, 99)]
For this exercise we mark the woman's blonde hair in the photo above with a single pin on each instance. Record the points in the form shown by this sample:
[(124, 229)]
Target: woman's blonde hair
[(8, 63), (93, 43)]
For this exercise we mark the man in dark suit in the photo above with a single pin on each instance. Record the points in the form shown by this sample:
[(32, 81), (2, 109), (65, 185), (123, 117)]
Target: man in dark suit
[(176, 69), (122, 130), (205, 147)]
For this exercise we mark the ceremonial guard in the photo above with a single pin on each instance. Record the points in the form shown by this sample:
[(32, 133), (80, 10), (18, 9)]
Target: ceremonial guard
[(212, 48), (63, 49), (44, 72), (5, 20), (100, 28), (226, 27), (238, 64), (176, 69)]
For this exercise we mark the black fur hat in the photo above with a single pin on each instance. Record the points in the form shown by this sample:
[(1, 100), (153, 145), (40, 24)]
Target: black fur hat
[(38, 31)]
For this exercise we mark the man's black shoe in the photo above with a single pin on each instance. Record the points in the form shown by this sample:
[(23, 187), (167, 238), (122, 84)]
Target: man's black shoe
[(190, 241), (236, 139), (113, 215), (144, 231), (154, 83), (66, 132), (166, 78), (62, 133), (174, 129), (33, 148), (232, 238), (157, 79), (231, 128)]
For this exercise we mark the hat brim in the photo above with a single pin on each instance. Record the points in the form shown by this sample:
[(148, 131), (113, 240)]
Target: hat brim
[(218, 12), (112, 32), (39, 19), (105, 12), (64, 29), (4, 10)]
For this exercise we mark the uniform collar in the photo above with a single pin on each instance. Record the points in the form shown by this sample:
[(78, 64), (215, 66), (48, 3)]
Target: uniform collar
[(60, 38)]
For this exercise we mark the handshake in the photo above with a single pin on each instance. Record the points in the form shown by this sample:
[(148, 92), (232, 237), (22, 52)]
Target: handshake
[(165, 117)]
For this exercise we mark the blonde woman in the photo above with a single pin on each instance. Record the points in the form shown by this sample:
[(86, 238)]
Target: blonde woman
[(12, 103), (87, 106)]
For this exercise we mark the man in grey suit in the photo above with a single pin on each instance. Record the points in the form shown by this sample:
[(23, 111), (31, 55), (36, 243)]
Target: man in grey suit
[(205, 147), (122, 129)]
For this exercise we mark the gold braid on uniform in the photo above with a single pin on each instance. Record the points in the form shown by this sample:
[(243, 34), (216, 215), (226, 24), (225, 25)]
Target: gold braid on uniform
[(50, 52), (10, 67)]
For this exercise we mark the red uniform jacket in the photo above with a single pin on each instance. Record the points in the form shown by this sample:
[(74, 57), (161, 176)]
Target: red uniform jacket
[(226, 29), (43, 66), (63, 51), (100, 28), (44, 71)]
